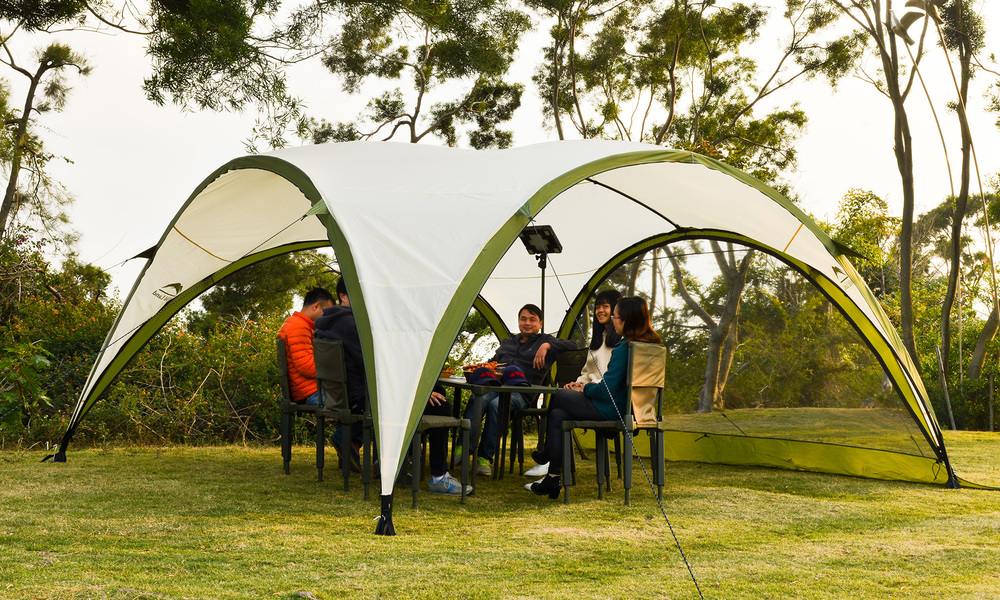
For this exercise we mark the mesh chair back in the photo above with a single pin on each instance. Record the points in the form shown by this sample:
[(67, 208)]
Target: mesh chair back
[(647, 373), (331, 374), (282, 354), (569, 364)]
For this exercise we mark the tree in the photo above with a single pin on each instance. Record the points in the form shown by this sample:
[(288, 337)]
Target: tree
[(864, 225), (262, 290), (216, 59), (614, 70), (47, 90), (723, 334), (964, 30), (895, 83), (437, 46)]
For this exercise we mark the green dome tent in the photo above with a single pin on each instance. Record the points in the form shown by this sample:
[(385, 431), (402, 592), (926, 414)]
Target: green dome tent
[(423, 233)]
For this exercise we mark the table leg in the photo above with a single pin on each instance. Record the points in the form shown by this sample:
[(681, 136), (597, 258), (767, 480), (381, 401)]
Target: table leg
[(504, 430), (477, 425)]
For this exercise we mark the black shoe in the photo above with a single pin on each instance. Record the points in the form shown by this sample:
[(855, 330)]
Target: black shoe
[(550, 485), (539, 457)]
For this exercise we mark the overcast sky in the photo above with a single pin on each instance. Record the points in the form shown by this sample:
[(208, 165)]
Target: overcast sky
[(134, 164)]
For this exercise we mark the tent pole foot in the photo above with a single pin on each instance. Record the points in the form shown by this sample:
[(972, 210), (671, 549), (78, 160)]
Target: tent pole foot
[(385, 526)]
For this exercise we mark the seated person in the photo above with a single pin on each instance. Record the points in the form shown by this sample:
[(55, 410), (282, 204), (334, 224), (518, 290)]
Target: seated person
[(531, 351), (602, 341), (337, 323), (297, 331), (603, 400)]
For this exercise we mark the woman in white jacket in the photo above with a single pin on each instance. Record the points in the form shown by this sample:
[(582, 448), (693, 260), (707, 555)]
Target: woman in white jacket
[(602, 339)]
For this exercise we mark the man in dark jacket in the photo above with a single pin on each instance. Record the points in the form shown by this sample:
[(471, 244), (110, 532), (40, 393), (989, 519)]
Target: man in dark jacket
[(533, 352), (337, 323)]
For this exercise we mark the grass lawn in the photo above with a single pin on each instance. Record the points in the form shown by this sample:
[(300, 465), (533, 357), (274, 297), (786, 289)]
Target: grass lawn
[(224, 522)]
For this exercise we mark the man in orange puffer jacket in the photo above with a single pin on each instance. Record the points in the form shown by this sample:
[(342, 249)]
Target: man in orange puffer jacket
[(297, 331)]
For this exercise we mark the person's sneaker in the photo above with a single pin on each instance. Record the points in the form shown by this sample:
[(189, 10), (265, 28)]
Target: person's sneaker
[(458, 457), (527, 486), (537, 471), (483, 467), (448, 485)]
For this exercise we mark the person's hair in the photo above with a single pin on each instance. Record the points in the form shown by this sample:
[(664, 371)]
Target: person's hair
[(634, 315), (532, 309), (317, 294), (341, 289), (601, 333)]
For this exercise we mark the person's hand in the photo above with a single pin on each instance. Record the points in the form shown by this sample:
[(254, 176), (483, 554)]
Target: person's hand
[(576, 387), (436, 399), (540, 355)]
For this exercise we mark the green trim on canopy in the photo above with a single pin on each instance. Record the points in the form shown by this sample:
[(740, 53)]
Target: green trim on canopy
[(349, 271), (493, 318), (141, 336), (885, 352)]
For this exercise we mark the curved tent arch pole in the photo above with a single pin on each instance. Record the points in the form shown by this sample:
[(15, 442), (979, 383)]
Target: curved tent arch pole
[(493, 318), (139, 337), (884, 350), (282, 168)]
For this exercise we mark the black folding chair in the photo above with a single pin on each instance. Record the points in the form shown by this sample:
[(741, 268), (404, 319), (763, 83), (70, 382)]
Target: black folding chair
[(289, 411), (331, 381)]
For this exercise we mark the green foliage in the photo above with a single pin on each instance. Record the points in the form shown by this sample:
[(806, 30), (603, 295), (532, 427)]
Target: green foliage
[(21, 392), (466, 43), (864, 225), (262, 290), (205, 55), (32, 196), (39, 15), (22, 265), (183, 388)]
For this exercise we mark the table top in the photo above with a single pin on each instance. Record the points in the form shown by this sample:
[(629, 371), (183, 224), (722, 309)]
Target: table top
[(479, 390)]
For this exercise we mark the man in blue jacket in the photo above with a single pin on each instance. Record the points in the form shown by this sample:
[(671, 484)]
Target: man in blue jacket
[(534, 353)]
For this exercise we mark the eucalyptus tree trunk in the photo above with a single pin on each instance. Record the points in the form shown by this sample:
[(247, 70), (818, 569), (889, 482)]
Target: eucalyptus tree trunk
[(17, 152), (872, 16), (961, 205), (979, 354), (722, 339)]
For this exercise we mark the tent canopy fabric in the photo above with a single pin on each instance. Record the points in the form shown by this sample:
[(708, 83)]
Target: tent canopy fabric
[(424, 233)]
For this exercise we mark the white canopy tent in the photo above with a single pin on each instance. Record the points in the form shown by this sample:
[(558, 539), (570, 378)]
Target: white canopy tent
[(422, 233)]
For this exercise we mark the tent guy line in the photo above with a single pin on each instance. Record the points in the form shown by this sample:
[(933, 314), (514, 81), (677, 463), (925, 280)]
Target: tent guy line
[(630, 446), (108, 344)]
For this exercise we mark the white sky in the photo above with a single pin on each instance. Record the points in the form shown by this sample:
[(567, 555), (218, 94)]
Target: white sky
[(134, 164)]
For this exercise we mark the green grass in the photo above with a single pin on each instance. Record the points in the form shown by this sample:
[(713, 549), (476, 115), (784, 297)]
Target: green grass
[(225, 522)]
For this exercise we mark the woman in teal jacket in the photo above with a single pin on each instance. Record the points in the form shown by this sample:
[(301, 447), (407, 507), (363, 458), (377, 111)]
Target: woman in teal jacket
[(600, 401)]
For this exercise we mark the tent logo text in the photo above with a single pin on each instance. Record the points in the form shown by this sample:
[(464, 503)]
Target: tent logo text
[(168, 291)]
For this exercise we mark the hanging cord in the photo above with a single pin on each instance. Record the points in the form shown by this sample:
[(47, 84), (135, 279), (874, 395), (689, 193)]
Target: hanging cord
[(245, 254), (630, 447)]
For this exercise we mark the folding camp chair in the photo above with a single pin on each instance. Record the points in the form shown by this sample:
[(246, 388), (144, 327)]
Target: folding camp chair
[(331, 381), (290, 410), (643, 412)]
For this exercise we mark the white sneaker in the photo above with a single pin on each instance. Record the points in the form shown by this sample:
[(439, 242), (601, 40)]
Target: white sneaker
[(537, 470), (527, 486), (448, 485)]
